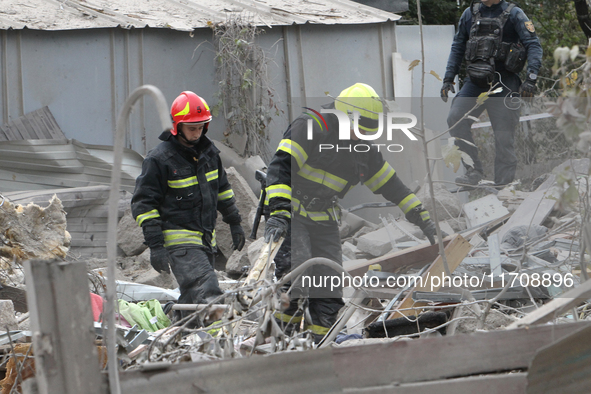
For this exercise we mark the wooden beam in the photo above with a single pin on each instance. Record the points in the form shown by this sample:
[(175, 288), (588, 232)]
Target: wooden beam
[(562, 367), (457, 249), (376, 365), (400, 261), (514, 383), (66, 359), (556, 307)]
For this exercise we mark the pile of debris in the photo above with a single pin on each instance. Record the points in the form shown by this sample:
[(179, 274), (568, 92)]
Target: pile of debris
[(514, 259)]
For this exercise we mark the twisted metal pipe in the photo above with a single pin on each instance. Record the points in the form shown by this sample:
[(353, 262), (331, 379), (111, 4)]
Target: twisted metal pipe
[(118, 141)]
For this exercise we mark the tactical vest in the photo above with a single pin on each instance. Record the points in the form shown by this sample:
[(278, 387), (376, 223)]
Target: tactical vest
[(485, 46)]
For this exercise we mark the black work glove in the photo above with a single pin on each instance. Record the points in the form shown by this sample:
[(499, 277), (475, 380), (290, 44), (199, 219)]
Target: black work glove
[(429, 230), (238, 237), (419, 216), (448, 85), (276, 227), (160, 259), (527, 89)]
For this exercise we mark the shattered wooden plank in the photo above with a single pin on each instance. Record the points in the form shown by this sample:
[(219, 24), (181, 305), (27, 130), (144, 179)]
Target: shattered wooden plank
[(507, 383), (562, 367), (66, 359), (354, 368), (455, 251), (556, 307), (415, 257)]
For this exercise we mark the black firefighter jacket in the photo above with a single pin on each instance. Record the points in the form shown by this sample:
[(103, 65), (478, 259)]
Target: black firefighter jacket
[(180, 190), (300, 172)]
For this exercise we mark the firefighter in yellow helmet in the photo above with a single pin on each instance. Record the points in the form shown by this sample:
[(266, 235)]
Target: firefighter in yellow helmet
[(176, 199), (304, 184)]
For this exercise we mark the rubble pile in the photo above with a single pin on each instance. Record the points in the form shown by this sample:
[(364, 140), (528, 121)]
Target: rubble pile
[(507, 257), (33, 232)]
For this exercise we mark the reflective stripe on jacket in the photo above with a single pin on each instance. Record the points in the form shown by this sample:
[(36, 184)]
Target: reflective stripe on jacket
[(181, 189), (300, 171)]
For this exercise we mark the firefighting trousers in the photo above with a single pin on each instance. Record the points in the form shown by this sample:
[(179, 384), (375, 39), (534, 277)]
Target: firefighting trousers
[(313, 289), (193, 270)]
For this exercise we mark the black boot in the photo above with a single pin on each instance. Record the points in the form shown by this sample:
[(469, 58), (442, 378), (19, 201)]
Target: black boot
[(470, 178)]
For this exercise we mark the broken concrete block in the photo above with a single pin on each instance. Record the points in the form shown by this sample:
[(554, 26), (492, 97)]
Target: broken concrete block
[(361, 232), (448, 205), (484, 210), (458, 224), (446, 228), (33, 232), (246, 201), (407, 226), (7, 319), (355, 222), (143, 260), (130, 237), (254, 250), (378, 243), (345, 229), (494, 320), (153, 278), (350, 250), (245, 167), (237, 261)]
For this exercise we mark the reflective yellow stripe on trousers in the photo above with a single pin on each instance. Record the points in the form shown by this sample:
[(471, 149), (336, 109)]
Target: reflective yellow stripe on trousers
[(182, 237), (409, 203)]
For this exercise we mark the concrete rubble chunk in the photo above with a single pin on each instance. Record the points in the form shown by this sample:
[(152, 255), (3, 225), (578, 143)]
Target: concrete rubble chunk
[(362, 231), (130, 237), (254, 249), (153, 278), (495, 320), (377, 243), (245, 167), (237, 261), (143, 259), (33, 232), (352, 223), (7, 318), (349, 250), (484, 210), (448, 205)]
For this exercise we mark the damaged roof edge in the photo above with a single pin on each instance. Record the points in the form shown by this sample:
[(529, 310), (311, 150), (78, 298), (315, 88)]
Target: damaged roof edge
[(186, 16)]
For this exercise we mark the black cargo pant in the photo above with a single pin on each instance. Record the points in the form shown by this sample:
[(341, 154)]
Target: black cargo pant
[(504, 117), (305, 240), (192, 267)]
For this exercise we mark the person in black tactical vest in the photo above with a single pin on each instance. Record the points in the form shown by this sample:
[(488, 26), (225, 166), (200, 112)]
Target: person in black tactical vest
[(495, 37)]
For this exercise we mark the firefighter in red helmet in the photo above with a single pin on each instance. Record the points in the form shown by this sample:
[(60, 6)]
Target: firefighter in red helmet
[(182, 186)]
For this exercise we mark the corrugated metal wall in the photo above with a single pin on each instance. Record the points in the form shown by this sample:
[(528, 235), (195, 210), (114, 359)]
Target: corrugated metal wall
[(84, 76)]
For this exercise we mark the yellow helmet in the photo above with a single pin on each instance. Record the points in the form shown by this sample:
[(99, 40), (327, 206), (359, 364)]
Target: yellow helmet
[(363, 99)]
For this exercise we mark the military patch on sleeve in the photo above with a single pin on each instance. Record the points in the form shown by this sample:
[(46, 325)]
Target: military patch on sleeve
[(529, 25)]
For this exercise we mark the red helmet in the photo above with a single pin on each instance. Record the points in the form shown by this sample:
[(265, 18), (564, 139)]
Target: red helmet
[(189, 108)]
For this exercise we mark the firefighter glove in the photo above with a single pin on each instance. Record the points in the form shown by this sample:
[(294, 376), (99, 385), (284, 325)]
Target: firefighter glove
[(527, 89), (160, 259), (238, 237), (448, 85), (429, 230), (276, 227)]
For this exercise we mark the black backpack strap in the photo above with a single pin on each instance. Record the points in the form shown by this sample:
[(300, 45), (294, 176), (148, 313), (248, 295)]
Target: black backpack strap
[(505, 14)]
